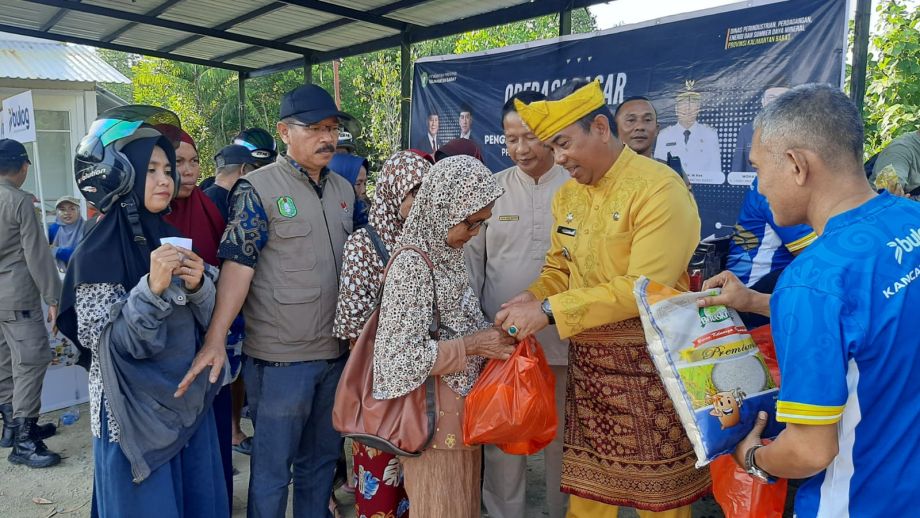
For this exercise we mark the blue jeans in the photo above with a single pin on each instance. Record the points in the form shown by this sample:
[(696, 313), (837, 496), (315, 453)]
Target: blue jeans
[(291, 409)]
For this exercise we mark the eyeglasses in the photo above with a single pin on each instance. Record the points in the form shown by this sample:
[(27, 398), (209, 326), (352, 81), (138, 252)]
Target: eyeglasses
[(471, 226), (316, 128)]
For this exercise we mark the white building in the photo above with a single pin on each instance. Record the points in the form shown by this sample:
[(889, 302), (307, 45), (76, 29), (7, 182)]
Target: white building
[(66, 96), (64, 80)]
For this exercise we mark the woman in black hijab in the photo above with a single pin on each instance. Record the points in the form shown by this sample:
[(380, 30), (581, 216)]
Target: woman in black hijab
[(142, 316)]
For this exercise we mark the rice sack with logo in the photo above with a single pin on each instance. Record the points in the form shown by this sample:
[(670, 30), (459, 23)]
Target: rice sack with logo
[(711, 367)]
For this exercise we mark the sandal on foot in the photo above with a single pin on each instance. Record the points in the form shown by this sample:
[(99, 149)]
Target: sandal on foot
[(244, 447)]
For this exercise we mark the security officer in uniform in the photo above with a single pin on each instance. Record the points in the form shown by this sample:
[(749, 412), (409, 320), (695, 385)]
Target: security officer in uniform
[(27, 275), (696, 144)]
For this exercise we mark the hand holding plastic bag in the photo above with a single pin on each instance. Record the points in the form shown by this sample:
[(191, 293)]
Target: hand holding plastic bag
[(739, 494), (513, 404)]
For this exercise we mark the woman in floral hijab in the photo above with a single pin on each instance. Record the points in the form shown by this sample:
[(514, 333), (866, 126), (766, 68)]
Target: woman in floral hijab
[(378, 475), (455, 199)]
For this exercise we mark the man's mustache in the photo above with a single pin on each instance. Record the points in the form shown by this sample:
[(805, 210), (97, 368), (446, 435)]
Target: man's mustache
[(326, 148)]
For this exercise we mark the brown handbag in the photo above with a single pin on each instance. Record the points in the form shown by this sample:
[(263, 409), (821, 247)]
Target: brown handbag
[(401, 426)]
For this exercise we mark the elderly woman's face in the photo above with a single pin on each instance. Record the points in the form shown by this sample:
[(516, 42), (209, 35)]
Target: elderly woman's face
[(459, 234)]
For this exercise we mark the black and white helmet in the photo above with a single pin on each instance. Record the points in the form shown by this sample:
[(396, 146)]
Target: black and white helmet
[(103, 173)]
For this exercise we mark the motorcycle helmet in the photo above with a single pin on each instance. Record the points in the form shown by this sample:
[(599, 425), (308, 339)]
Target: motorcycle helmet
[(260, 143), (103, 173)]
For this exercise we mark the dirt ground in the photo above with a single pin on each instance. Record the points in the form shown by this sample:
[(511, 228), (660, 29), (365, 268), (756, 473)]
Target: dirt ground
[(68, 487)]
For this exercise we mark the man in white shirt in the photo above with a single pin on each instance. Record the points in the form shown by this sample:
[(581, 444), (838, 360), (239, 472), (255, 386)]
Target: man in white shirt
[(696, 144), (503, 260)]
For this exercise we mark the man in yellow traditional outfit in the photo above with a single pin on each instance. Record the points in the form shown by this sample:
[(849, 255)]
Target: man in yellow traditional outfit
[(624, 216)]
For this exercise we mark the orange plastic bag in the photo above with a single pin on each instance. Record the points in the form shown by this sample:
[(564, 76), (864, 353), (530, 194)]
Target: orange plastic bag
[(764, 340), (513, 404), (741, 496)]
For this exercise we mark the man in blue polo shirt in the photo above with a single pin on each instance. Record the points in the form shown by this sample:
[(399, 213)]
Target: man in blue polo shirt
[(843, 316), (759, 246)]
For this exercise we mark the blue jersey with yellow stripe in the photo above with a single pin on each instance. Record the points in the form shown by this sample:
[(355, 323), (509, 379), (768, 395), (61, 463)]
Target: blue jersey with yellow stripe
[(844, 318), (760, 246)]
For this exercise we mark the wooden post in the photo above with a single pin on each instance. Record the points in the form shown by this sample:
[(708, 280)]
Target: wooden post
[(860, 53), (405, 73)]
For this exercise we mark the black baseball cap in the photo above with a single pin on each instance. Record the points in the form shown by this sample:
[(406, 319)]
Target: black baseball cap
[(234, 154), (11, 150), (310, 104)]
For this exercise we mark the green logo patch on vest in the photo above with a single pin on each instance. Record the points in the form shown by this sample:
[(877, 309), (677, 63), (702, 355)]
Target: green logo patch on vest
[(286, 207)]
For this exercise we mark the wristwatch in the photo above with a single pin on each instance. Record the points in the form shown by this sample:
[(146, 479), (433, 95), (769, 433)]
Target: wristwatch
[(755, 471), (548, 311)]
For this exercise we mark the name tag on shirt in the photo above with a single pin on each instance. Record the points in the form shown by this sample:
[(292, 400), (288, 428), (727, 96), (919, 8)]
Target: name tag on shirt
[(565, 231), (509, 218), (670, 143)]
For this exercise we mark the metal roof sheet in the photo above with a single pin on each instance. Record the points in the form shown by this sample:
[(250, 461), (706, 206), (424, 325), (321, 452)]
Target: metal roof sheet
[(150, 37), (133, 6), (56, 61), (435, 12), (210, 48), (211, 13), (348, 35), (258, 37), (86, 25), (285, 21), (25, 15)]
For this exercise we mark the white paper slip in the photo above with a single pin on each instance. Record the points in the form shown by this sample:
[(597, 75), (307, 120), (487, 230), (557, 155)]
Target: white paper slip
[(184, 242)]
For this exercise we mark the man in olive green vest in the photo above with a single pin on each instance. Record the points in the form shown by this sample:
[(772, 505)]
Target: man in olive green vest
[(282, 252)]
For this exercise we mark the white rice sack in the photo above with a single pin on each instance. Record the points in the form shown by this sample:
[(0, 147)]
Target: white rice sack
[(710, 366)]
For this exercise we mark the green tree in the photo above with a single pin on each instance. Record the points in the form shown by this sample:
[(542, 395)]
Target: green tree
[(204, 98), (892, 91), (522, 32), (123, 62)]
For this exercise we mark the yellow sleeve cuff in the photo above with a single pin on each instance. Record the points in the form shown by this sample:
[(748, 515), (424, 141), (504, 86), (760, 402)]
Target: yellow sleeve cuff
[(802, 242), (802, 413)]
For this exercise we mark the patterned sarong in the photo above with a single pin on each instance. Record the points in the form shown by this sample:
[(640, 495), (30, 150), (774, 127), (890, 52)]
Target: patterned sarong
[(624, 444)]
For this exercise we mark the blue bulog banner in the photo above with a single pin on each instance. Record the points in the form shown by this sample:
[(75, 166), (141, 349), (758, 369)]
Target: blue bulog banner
[(717, 67)]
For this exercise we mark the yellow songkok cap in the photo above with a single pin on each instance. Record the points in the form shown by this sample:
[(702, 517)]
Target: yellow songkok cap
[(546, 118)]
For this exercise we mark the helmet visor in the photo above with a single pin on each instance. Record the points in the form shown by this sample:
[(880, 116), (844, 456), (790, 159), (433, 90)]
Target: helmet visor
[(122, 122)]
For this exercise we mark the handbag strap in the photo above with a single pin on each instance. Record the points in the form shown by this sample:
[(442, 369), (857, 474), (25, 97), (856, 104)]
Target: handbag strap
[(378, 243), (434, 329)]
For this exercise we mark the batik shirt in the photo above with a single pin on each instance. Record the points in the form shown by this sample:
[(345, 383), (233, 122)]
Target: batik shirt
[(247, 229)]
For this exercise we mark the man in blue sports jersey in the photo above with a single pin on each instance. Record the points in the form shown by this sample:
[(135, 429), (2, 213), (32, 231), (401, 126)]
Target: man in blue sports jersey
[(759, 246), (760, 249), (842, 315)]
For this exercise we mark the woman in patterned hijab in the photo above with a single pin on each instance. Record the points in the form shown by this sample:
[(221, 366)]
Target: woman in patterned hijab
[(455, 199), (380, 491)]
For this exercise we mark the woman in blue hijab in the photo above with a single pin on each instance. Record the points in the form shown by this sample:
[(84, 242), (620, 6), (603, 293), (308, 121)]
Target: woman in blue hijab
[(67, 230), (354, 169)]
